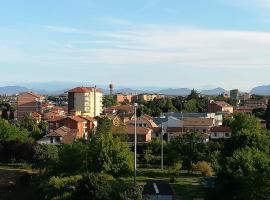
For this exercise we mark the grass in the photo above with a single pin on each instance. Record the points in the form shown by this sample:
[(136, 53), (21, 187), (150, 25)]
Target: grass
[(11, 186), (186, 187)]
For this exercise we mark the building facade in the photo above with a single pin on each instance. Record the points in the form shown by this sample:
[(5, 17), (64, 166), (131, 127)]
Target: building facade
[(27, 103), (85, 101)]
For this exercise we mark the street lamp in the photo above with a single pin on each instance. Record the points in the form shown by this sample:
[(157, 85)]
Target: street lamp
[(135, 143), (162, 136)]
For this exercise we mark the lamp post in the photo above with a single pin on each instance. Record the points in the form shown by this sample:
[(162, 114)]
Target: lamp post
[(162, 136), (135, 144)]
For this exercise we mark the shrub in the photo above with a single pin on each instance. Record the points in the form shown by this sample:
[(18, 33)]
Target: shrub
[(203, 167)]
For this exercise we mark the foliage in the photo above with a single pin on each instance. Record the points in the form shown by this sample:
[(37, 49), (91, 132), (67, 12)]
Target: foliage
[(45, 155), (104, 125), (189, 148), (259, 112), (245, 175), (7, 110), (244, 121), (72, 158), (110, 155), (267, 116), (93, 186), (203, 167), (60, 188), (131, 193), (16, 151), (11, 132), (109, 101), (36, 130)]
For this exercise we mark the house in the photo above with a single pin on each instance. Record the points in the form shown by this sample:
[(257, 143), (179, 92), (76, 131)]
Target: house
[(116, 120), (124, 110), (28, 102), (62, 135), (218, 118), (144, 135), (219, 106), (123, 98), (256, 103), (84, 125), (221, 132), (36, 116), (147, 97), (85, 101), (242, 109)]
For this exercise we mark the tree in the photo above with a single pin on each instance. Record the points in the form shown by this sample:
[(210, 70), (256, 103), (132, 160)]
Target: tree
[(189, 148), (45, 156), (267, 116), (244, 121), (259, 112), (191, 106), (245, 176), (110, 155), (203, 167), (169, 107), (93, 186), (72, 158), (193, 95), (11, 132), (109, 101)]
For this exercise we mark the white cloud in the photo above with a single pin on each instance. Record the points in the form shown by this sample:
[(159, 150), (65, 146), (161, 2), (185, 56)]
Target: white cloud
[(63, 29), (181, 47), (249, 4)]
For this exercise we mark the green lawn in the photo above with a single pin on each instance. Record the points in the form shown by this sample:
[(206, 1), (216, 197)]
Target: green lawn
[(11, 184), (187, 186)]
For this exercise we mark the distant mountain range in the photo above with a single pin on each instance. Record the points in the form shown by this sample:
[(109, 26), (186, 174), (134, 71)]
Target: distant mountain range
[(260, 90)]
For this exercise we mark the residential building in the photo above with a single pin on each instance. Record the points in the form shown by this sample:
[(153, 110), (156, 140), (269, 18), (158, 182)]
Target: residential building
[(234, 94), (123, 98), (126, 110), (221, 132), (28, 102), (256, 103), (144, 135), (244, 96), (84, 125), (147, 97), (85, 101), (219, 106), (62, 135)]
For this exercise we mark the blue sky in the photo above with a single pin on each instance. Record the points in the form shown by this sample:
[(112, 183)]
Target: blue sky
[(162, 43)]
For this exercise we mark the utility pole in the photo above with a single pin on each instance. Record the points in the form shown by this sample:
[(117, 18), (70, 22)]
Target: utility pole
[(162, 136), (95, 112), (135, 145)]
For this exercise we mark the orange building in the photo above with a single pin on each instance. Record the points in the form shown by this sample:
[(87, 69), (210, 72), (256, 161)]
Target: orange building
[(28, 102)]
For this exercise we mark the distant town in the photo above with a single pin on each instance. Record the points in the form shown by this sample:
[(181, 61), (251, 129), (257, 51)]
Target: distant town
[(169, 132)]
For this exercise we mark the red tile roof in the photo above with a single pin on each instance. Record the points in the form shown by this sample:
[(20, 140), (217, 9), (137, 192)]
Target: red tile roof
[(77, 118), (220, 129), (140, 130), (84, 90)]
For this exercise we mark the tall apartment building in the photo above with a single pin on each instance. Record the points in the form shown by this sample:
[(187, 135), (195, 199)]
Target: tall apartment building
[(85, 101), (28, 102), (234, 94)]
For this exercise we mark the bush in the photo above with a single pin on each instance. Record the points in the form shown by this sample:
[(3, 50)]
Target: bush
[(60, 188), (16, 151), (93, 186), (203, 167)]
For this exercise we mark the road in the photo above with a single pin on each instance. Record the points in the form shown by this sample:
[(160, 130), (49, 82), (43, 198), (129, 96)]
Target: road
[(158, 190)]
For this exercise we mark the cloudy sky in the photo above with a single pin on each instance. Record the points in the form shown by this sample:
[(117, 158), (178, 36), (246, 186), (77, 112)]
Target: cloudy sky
[(161, 43)]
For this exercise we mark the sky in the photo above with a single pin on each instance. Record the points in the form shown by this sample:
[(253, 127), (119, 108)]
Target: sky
[(141, 43)]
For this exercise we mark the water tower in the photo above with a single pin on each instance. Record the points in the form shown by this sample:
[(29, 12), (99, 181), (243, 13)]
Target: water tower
[(111, 86)]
